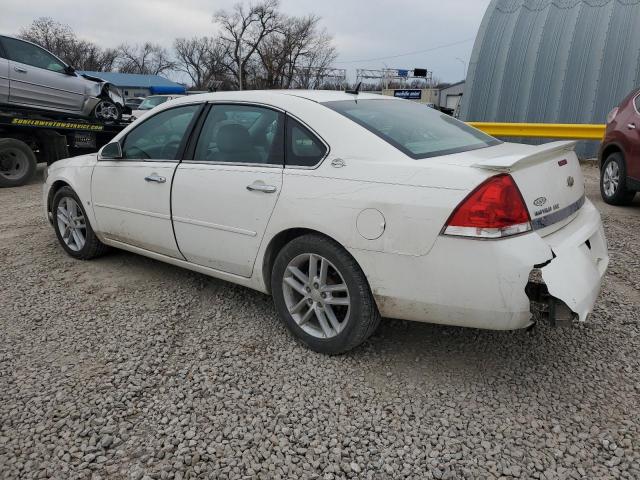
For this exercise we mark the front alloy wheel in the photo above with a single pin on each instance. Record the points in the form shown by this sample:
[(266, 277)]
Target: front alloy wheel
[(107, 111), (71, 224)]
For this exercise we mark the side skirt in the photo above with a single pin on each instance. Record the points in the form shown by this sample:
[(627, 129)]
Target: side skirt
[(229, 277)]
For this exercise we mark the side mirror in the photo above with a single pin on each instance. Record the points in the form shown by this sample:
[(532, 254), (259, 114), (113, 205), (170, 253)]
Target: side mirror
[(69, 70), (111, 151)]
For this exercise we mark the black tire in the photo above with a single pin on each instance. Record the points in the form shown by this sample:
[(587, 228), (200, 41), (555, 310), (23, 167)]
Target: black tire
[(107, 106), (621, 195), (363, 317), (92, 246), (17, 162)]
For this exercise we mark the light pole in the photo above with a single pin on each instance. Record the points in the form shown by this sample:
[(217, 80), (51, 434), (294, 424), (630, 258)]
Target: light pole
[(240, 65), (464, 66)]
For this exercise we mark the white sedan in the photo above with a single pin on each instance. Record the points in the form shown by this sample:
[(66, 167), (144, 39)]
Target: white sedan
[(345, 207)]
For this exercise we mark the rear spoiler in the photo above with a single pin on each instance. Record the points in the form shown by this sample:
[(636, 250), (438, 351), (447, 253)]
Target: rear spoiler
[(541, 153)]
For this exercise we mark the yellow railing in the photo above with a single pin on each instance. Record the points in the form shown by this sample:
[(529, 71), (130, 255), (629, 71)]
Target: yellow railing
[(542, 130)]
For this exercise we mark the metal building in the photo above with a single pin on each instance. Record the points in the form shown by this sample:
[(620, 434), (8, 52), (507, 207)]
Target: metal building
[(553, 61)]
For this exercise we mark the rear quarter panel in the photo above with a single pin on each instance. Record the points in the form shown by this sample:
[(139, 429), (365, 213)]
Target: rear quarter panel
[(413, 215)]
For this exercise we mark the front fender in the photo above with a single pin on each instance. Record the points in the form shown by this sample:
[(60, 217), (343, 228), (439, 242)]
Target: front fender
[(76, 173)]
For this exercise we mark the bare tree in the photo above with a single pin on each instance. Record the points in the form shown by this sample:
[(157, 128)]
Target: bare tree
[(46, 32), (243, 30), (148, 59), (85, 55), (60, 40), (281, 51), (202, 59), (310, 67)]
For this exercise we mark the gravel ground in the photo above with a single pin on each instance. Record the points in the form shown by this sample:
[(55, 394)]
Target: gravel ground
[(128, 368)]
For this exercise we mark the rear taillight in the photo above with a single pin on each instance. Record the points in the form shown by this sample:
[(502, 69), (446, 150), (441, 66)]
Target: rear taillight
[(495, 209), (612, 115)]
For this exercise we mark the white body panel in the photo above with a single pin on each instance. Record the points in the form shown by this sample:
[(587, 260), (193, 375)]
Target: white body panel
[(131, 210), (414, 272), (218, 222)]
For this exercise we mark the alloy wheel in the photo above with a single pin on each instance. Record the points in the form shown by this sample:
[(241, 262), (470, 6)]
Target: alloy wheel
[(611, 179), (106, 111), (316, 295), (71, 224)]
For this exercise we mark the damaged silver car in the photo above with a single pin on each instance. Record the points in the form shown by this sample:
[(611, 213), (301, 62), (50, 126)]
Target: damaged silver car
[(32, 77)]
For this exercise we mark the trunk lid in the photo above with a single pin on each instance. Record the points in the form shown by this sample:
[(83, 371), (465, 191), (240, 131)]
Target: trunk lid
[(550, 180)]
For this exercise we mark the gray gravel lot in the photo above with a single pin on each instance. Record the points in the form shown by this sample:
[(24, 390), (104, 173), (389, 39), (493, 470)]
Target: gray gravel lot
[(128, 368)]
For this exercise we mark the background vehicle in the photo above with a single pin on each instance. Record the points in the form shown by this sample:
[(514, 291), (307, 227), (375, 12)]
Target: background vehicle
[(620, 153), (345, 207), (134, 102), (151, 102), (32, 77), (28, 138)]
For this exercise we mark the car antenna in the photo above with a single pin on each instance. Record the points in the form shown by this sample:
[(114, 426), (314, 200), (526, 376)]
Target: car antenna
[(355, 91)]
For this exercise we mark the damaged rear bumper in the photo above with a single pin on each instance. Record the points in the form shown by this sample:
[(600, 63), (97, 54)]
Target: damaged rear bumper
[(566, 287), (500, 285)]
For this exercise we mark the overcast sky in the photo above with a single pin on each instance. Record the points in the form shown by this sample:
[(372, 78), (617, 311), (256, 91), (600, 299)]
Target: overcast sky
[(373, 31)]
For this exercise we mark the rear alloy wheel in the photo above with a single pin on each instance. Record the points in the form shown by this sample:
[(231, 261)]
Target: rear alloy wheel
[(107, 111), (17, 162), (72, 226), (322, 295), (316, 295), (613, 181)]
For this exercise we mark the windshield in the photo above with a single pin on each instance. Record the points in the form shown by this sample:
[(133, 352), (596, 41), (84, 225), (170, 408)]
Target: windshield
[(414, 129), (151, 102)]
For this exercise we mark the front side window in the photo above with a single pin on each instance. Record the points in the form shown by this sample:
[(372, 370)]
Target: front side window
[(241, 134), (33, 55), (160, 137), (304, 149), (416, 130)]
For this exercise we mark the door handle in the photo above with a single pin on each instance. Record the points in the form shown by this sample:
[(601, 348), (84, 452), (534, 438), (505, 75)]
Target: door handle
[(154, 177), (631, 126), (260, 187), (19, 70)]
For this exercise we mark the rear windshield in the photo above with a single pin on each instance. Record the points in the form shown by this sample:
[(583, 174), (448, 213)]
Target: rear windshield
[(415, 129)]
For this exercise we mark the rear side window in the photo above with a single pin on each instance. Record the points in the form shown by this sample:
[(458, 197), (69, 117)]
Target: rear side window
[(416, 130), (637, 100), (304, 149)]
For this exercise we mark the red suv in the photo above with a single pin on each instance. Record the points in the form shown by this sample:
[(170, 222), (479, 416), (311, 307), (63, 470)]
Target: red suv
[(620, 153)]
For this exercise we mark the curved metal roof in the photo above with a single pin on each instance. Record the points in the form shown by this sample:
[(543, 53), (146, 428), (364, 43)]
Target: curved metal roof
[(553, 61)]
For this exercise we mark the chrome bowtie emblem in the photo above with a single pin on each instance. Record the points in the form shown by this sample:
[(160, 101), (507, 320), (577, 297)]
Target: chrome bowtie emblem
[(338, 163), (570, 181)]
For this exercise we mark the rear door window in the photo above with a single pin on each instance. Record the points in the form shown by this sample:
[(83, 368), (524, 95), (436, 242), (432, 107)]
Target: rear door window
[(241, 134)]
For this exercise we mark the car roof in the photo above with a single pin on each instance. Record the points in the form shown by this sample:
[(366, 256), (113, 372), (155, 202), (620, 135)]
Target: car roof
[(267, 96)]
